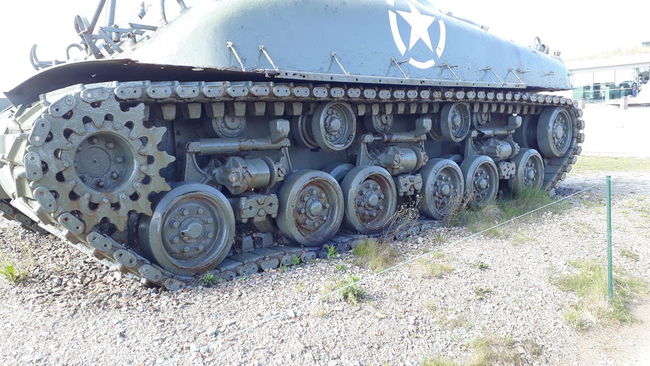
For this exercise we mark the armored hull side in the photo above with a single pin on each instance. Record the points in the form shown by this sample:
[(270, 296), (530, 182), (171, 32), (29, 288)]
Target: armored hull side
[(399, 42)]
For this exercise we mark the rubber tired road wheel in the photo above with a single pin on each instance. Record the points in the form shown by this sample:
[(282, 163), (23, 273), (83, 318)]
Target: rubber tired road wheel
[(311, 207), (481, 180), (530, 171), (191, 231), (555, 132), (370, 199), (442, 189)]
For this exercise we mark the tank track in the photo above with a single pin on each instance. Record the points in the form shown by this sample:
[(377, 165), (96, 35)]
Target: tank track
[(283, 98)]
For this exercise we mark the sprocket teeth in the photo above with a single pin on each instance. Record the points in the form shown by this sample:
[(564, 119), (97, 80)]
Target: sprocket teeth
[(60, 153)]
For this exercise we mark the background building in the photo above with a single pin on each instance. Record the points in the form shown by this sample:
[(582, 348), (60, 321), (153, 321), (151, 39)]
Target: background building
[(603, 79)]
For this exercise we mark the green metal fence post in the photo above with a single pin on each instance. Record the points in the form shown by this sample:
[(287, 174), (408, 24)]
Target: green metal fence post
[(610, 279)]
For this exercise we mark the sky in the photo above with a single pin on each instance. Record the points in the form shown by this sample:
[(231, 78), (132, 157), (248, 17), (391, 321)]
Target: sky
[(574, 27)]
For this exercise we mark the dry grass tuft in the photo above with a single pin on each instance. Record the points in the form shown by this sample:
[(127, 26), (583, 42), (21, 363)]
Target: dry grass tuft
[(592, 309)]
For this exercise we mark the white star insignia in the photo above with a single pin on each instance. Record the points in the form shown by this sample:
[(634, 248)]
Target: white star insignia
[(420, 24)]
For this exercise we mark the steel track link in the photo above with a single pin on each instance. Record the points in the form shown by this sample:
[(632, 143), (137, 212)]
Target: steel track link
[(365, 100)]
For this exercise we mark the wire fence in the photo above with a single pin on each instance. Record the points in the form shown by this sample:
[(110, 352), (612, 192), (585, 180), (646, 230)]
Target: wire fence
[(287, 313)]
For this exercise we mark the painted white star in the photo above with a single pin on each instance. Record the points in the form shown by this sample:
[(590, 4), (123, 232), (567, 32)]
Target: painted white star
[(420, 24)]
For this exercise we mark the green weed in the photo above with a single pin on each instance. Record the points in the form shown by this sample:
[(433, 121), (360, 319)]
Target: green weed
[(497, 350), (485, 218), (349, 290), (330, 251), (435, 361), (482, 266), (589, 283), (13, 273), (375, 255), (208, 279), (627, 253), (482, 292), (428, 269)]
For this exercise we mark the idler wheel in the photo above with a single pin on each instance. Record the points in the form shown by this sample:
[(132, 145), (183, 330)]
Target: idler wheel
[(530, 171), (455, 121), (555, 132), (191, 231), (370, 199), (443, 188), (481, 180), (334, 126), (311, 207)]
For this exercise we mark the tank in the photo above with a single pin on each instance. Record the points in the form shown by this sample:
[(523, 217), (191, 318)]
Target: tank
[(244, 135)]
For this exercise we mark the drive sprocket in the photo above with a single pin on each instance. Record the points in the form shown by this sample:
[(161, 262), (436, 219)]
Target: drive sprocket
[(97, 158)]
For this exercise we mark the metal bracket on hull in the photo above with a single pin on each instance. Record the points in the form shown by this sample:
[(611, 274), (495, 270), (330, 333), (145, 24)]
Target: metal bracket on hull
[(489, 68), (268, 57), (232, 49), (394, 61), (451, 70), (336, 60)]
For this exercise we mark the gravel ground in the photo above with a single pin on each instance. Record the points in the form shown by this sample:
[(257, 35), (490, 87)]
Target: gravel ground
[(70, 310)]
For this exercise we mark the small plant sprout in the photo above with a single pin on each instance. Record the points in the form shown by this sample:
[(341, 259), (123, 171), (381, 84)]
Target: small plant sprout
[(330, 251), (208, 280)]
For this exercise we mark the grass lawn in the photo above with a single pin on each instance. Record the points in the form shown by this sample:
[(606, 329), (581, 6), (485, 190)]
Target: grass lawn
[(609, 164)]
